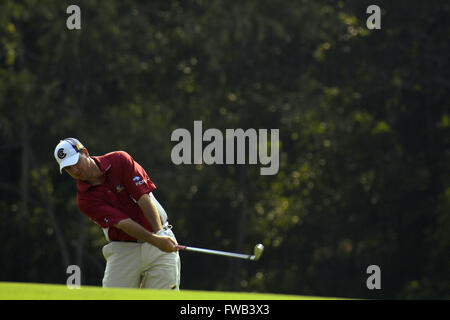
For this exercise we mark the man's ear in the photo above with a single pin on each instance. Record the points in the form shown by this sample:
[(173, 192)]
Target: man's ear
[(86, 152)]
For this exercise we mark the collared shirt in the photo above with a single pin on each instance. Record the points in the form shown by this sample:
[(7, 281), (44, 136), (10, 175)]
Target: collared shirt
[(124, 181)]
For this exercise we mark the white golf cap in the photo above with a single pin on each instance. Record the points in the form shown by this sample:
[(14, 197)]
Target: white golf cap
[(67, 152)]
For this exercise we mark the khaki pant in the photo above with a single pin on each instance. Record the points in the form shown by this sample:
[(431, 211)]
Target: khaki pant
[(141, 265)]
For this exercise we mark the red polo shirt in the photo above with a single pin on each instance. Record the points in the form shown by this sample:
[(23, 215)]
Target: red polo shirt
[(124, 182)]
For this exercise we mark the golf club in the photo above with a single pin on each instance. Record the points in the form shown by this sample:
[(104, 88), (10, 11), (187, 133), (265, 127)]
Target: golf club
[(257, 252)]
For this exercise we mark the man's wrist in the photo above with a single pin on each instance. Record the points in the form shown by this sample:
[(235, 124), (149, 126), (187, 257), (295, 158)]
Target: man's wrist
[(153, 239)]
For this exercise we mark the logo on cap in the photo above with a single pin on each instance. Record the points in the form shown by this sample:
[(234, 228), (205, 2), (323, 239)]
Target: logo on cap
[(61, 153)]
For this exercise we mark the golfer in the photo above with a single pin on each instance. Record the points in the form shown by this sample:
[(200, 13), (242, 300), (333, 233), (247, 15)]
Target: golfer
[(115, 192)]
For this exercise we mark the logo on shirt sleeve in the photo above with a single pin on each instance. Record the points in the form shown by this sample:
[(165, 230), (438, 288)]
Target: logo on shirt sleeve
[(137, 180)]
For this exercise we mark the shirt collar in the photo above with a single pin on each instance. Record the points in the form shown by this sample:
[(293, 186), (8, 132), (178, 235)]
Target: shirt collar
[(104, 166)]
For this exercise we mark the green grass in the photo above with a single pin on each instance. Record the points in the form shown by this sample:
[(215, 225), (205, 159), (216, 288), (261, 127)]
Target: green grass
[(34, 291)]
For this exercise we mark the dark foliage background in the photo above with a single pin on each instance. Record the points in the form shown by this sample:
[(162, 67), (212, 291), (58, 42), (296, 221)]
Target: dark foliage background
[(364, 126)]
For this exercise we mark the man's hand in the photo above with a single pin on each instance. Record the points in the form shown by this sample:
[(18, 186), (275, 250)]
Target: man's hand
[(166, 244)]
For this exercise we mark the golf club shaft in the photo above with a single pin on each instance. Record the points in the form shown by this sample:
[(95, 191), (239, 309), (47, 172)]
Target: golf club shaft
[(217, 252)]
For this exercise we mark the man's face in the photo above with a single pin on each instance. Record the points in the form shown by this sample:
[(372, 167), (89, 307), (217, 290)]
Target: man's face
[(79, 170)]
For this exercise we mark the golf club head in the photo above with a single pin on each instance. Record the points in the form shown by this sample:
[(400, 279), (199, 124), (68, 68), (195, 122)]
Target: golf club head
[(259, 248)]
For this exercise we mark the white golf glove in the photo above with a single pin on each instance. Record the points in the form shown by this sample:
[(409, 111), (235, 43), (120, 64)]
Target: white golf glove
[(162, 232)]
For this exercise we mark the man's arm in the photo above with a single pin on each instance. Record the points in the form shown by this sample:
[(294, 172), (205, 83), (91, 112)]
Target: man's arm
[(150, 212), (135, 230)]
